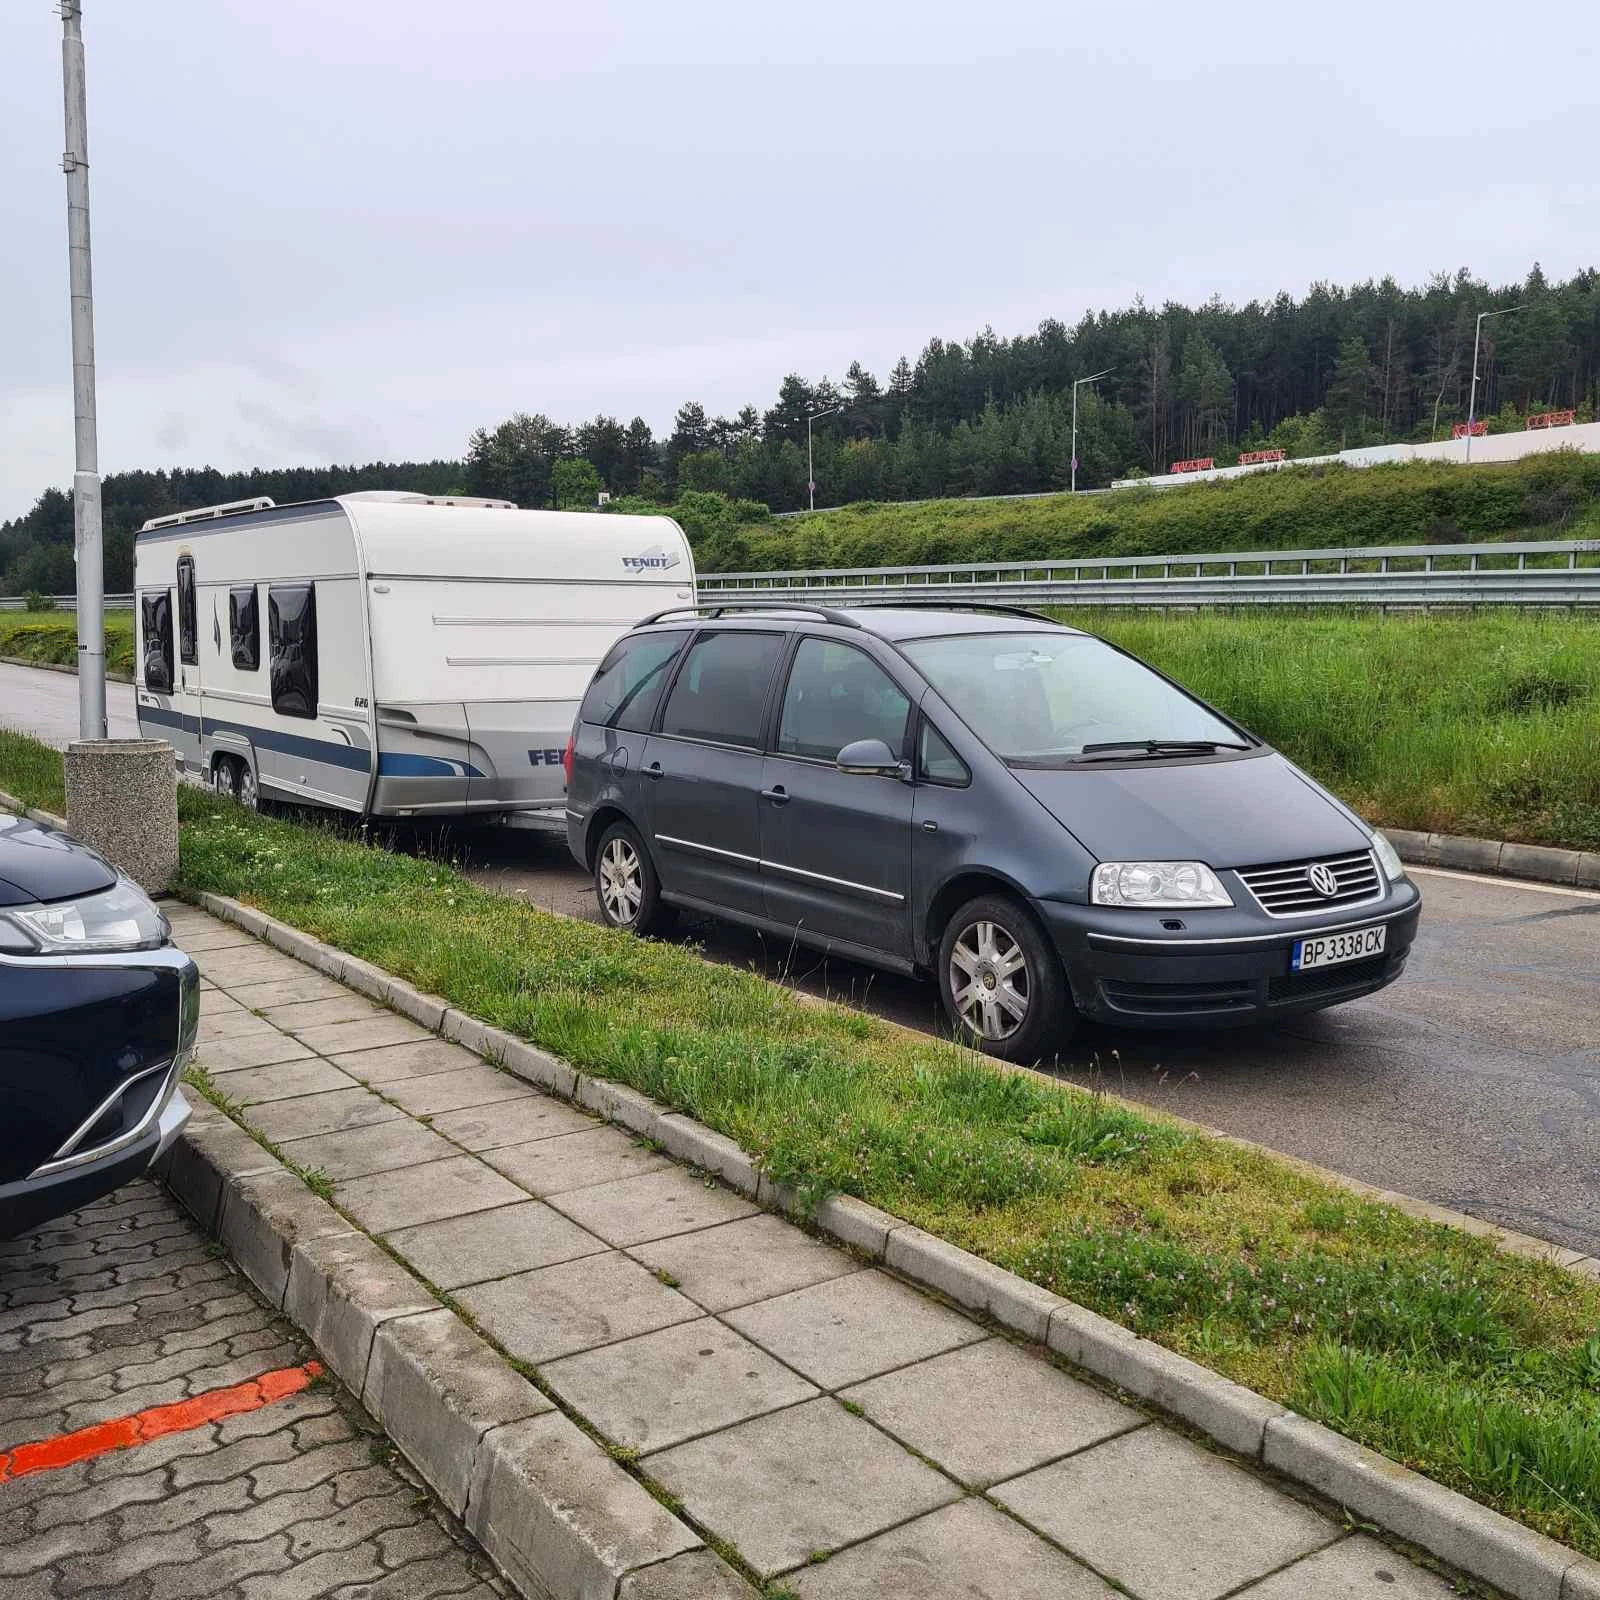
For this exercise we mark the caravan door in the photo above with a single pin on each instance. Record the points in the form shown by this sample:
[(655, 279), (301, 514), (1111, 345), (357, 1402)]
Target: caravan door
[(187, 691)]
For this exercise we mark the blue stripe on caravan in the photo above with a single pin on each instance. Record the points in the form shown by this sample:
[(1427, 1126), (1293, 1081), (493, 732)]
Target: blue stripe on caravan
[(332, 752), (395, 765)]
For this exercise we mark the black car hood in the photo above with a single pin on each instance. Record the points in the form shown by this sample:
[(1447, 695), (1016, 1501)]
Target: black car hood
[(1232, 813), (37, 863)]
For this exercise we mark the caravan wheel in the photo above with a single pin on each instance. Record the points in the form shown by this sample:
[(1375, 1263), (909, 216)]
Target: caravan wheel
[(222, 776), (244, 786)]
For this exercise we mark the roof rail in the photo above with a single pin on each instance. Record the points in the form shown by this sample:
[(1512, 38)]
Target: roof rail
[(957, 605), (715, 608), (231, 508), (411, 497)]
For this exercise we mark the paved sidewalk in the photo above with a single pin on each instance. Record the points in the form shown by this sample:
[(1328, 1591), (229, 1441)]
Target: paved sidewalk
[(848, 1435), (128, 1306)]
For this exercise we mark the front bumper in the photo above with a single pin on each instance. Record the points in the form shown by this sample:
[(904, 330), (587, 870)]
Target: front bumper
[(1222, 968)]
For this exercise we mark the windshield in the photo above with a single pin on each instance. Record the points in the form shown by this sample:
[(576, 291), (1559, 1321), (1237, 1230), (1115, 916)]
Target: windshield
[(1041, 698)]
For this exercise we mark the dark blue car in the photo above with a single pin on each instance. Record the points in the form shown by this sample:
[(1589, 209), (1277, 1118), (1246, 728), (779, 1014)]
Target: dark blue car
[(1048, 826), (98, 1014)]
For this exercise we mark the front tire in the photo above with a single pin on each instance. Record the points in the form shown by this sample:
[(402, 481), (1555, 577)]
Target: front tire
[(626, 887), (1001, 983)]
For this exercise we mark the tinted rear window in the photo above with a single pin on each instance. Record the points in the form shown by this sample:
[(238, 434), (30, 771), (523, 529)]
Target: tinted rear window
[(628, 685), (721, 693), (156, 616), (292, 642)]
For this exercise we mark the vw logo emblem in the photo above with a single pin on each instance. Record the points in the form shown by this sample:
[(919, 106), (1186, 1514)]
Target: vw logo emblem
[(1323, 880)]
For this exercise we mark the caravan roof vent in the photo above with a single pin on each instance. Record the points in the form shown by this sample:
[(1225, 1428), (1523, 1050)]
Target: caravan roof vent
[(408, 497), (233, 508)]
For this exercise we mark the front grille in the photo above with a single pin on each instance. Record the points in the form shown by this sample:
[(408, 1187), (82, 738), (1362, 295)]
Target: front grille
[(1179, 999), (1287, 890), (1325, 980)]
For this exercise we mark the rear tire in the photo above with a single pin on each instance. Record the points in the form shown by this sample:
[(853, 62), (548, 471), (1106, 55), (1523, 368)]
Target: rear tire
[(244, 786), (222, 777), (626, 887), (1002, 984)]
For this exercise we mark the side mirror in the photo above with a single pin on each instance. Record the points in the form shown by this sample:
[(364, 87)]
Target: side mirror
[(870, 758)]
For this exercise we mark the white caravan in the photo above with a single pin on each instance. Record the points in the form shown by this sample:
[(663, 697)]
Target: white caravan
[(387, 653)]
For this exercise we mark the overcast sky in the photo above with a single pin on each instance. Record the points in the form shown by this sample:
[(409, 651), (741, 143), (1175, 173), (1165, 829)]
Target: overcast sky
[(334, 232)]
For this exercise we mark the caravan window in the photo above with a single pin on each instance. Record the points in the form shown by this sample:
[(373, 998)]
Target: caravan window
[(630, 680), (244, 628), (292, 641), (155, 617), (188, 630)]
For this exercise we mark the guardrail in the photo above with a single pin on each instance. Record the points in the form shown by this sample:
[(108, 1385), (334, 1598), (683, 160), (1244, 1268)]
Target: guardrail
[(66, 602), (1542, 573)]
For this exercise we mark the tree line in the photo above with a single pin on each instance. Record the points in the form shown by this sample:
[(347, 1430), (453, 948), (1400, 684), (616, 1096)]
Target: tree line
[(1338, 368)]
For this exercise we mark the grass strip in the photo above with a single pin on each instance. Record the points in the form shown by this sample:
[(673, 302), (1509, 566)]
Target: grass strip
[(51, 638), (1413, 1337)]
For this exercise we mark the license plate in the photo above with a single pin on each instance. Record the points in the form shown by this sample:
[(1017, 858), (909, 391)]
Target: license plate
[(1331, 949)]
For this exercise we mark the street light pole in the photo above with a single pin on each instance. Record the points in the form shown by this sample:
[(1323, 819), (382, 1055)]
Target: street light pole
[(811, 474), (1093, 377), (1472, 403), (86, 538)]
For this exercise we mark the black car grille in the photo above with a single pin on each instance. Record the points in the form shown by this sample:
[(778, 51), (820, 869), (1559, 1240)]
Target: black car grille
[(1179, 999), (1287, 890), (1326, 980)]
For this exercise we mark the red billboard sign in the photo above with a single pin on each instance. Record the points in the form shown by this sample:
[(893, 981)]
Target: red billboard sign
[(1459, 431), (1256, 458), (1199, 464), (1553, 419)]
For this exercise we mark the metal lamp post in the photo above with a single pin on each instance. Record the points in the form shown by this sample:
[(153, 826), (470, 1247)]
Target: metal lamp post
[(811, 474), (87, 546), (1093, 377), (1472, 403)]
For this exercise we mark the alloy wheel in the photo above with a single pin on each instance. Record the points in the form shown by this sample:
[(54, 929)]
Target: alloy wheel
[(621, 882), (245, 788), (989, 980)]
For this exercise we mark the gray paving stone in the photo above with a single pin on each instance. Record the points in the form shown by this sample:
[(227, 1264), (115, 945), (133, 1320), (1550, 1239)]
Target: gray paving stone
[(633, 1210), (399, 1061), (1164, 1518), (453, 1188), (235, 1024), (805, 1480), (848, 1329), (231, 968), (192, 935), (336, 1038), (263, 1218), (287, 1081), (300, 985), (298, 1015), (668, 1386), (967, 1551), (577, 1305), (330, 1112), (249, 1050), (697, 1575), (1354, 1569), (493, 1244), (990, 1411), (393, 1144), (463, 1089), (214, 1003), (561, 1517), (512, 1122), (740, 1262), (575, 1160), (438, 1389)]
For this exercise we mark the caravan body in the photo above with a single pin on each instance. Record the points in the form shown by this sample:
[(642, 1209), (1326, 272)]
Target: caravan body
[(387, 653)]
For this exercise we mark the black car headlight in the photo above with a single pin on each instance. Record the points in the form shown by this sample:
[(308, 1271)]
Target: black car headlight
[(119, 918)]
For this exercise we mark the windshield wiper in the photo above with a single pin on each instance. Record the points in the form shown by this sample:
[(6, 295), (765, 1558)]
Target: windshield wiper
[(1158, 747)]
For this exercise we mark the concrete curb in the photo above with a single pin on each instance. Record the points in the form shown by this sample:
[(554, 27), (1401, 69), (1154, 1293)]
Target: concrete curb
[(58, 666), (1576, 869), (1457, 1530), (558, 1517)]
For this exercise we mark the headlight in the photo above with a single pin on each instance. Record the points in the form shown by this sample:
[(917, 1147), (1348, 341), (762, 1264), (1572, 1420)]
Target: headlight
[(1160, 885), (119, 918), (1394, 869)]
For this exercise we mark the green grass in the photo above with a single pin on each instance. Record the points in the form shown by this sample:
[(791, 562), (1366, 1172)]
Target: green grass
[(1422, 1341), (1554, 496), (52, 637), (1484, 724), (32, 772)]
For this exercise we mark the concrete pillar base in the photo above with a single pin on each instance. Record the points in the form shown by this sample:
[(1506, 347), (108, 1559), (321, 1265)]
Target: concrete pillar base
[(122, 800)]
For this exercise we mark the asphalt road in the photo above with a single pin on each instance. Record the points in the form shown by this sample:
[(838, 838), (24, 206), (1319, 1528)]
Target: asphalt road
[(1474, 1082), (45, 704)]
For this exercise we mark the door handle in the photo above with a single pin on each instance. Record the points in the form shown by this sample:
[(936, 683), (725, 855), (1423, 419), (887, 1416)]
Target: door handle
[(654, 770), (778, 796)]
